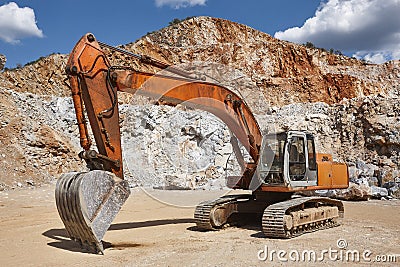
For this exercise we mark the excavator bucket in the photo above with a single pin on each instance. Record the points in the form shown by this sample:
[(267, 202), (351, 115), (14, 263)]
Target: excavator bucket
[(88, 202)]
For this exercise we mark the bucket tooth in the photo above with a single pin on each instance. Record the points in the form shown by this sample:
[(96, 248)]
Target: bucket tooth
[(88, 203)]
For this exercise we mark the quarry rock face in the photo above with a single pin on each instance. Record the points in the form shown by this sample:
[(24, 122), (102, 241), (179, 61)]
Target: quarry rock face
[(350, 106)]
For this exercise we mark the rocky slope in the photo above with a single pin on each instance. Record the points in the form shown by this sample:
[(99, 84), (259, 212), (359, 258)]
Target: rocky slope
[(42, 77), (284, 72), (349, 105), (36, 141)]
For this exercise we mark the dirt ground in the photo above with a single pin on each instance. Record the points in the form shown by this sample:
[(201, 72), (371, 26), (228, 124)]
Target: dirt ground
[(148, 232)]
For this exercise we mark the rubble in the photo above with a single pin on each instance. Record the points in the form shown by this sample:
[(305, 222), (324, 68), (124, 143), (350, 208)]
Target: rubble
[(379, 192), (354, 192), (393, 188)]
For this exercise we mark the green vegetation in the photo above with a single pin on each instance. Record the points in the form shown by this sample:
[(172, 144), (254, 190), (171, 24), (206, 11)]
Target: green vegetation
[(34, 61), (331, 51), (171, 23), (309, 45), (176, 20), (20, 66), (17, 66)]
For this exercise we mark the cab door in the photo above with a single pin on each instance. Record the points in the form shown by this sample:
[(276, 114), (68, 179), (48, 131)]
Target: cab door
[(300, 160)]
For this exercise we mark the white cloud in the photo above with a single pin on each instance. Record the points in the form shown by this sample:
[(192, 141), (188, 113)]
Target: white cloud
[(17, 23), (371, 27), (375, 57), (180, 3)]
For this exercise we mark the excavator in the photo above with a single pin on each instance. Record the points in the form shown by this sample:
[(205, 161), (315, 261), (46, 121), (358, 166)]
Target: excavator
[(280, 164)]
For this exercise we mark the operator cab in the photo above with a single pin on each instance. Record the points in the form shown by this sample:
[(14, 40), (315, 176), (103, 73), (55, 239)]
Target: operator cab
[(288, 158)]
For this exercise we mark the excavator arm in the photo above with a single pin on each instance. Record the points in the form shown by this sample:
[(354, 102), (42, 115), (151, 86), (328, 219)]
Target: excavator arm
[(88, 202), (94, 85)]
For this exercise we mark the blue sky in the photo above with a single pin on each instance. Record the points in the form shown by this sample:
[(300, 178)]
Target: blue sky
[(364, 28)]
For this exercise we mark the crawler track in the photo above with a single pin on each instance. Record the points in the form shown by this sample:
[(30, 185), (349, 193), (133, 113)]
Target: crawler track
[(285, 219), (205, 213), (281, 220)]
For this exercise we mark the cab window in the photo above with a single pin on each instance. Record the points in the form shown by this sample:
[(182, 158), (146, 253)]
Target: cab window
[(312, 162), (297, 161)]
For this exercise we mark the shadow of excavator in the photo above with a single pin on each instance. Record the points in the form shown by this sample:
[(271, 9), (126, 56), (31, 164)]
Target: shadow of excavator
[(62, 240)]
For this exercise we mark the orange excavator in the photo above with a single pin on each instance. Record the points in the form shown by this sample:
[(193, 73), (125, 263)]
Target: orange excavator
[(280, 165)]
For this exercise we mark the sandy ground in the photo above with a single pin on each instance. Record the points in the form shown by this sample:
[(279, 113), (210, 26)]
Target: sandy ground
[(148, 232)]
